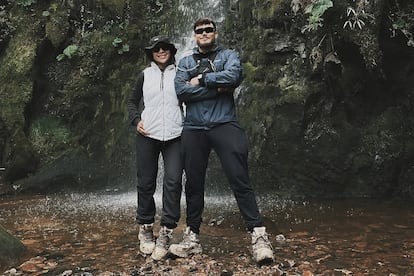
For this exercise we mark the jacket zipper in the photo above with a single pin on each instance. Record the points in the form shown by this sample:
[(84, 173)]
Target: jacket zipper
[(163, 105)]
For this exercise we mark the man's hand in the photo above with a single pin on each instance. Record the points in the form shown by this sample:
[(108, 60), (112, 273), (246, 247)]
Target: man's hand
[(194, 81), (140, 128)]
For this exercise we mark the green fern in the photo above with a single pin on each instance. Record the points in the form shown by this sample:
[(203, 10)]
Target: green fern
[(316, 10)]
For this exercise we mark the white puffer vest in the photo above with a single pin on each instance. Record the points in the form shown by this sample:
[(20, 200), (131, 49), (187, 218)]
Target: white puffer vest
[(162, 115)]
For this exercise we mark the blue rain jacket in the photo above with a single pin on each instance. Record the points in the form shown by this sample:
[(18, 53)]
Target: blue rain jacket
[(204, 106)]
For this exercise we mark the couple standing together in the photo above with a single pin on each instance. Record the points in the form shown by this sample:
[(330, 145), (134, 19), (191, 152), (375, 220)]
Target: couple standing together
[(205, 83)]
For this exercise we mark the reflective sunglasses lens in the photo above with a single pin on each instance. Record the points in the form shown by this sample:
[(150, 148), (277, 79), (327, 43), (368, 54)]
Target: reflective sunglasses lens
[(157, 48), (202, 30)]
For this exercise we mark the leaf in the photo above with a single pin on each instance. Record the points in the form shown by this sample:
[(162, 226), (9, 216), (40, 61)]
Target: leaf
[(60, 57), (321, 6), (70, 50), (116, 42), (332, 57), (350, 10), (125, 48)]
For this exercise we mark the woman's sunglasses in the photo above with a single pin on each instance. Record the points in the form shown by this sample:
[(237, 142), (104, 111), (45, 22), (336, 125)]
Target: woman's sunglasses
[(207, 30), (159, 46)]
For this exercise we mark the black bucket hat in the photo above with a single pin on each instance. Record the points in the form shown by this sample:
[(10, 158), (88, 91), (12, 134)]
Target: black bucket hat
[(159, 39)]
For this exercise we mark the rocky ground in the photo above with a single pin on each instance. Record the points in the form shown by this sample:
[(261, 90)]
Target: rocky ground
[(300, 254), (87, 235)]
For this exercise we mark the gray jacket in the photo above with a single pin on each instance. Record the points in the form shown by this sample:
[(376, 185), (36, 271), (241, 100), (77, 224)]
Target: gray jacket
[(205, 107)]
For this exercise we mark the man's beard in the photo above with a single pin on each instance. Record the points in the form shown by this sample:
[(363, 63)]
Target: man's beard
[(208, 46)]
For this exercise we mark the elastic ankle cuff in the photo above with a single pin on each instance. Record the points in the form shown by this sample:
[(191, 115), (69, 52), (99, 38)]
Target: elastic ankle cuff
[(195, 230), (169, 226)]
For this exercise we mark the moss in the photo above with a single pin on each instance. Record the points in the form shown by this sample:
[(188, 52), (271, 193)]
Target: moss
[(11, 247), (382, 139), (22, 161), (249, 69), (294, 88), (114, 5), (57, 26), (16, 73), (266, 11), (15, 76), (49, 137), (245, 11)]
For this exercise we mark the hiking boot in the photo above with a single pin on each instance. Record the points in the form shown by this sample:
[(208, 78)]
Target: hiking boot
[(146, 238), (163, 243), (261, 246), (190, 245)]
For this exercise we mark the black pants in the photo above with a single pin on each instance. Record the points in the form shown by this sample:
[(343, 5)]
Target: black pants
[(230, 143), (148, 151)]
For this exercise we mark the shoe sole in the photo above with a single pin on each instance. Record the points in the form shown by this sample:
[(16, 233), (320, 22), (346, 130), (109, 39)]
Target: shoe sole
[(190, 252), (146, 251), (265, 261), (159, 254)]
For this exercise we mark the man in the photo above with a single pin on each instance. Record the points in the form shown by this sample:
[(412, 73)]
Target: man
[(205, 82)]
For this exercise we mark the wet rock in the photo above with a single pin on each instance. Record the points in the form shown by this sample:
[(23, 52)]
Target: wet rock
[(307, 273), (280, 239), (66, 273), (11, 248), (12, 272), (216, 221), (226, 272)]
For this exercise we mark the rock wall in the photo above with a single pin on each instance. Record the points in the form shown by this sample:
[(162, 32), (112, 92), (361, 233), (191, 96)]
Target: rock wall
[(66, 70), (326, 101)]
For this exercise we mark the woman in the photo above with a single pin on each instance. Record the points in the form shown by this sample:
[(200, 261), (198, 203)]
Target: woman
[(158, 131)]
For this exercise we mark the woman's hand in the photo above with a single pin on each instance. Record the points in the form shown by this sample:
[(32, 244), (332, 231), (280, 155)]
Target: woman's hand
[(140, 128)]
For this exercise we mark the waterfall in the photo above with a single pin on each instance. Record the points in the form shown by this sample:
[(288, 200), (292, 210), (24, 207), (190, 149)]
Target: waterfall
[(192, 10)]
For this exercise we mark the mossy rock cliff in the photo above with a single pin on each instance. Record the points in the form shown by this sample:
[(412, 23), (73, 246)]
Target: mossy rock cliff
[(327, 98)]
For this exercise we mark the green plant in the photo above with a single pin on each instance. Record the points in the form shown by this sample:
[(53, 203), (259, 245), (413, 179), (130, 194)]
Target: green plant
[(48, 136), (316, 9), (121, 47), (68, 52), (26, 3), (356, 17), (6, 27), (402, 22), (116, 42)]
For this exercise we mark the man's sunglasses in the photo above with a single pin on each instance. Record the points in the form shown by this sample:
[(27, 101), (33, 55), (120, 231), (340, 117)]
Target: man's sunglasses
[(207, 30), (157, 47)]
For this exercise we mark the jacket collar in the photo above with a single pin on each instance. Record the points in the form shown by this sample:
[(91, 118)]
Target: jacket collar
[(154, 65), (214, 49)]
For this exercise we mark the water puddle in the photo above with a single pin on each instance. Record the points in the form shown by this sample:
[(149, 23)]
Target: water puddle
[(98, 232)]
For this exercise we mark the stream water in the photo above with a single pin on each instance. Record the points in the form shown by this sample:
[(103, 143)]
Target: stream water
[(97, 231)]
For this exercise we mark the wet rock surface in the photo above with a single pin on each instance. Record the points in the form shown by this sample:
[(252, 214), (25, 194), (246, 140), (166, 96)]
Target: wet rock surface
[(97, 235)]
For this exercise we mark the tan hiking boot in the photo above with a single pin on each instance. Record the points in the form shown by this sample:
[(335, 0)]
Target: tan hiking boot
[(146, 238), (190, 245), (163, 243), (261, 247)]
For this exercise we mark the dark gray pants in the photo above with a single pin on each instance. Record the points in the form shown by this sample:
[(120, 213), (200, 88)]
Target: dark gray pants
[(230, 143), (148, 151)]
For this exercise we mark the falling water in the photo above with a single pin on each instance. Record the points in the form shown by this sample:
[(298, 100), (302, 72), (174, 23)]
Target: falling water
[(192, 10)]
